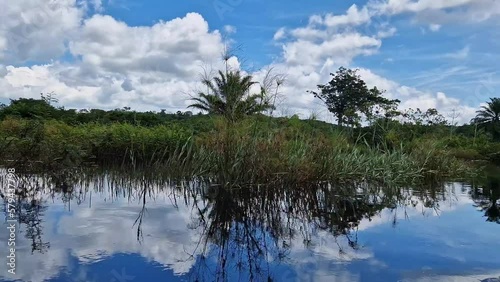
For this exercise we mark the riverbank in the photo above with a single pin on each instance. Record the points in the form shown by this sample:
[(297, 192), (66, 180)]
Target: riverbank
[(253, 151)]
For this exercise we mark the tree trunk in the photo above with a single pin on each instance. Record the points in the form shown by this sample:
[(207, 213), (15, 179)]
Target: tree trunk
[(339, 120)]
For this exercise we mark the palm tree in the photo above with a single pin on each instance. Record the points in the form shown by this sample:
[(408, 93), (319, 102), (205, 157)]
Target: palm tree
[(229, 95), (489, 116)]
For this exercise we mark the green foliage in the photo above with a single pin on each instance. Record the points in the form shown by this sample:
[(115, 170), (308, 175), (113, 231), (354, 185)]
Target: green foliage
[(347, 97), (229, 95), (491, 152), (40, 109), (53, 143), (489, 117), (30, 109)]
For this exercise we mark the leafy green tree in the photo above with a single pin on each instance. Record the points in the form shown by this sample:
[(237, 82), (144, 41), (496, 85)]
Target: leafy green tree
[(489, 117), (229, 95), (30, 109), (348, 97)]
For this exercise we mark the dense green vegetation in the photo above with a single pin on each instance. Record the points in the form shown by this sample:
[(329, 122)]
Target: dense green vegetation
[(260, 147), (227, 95), (237, 144), (348, 98), (489, 117)]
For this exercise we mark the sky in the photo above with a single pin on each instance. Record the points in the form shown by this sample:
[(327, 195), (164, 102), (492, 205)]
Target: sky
[(150, 55)]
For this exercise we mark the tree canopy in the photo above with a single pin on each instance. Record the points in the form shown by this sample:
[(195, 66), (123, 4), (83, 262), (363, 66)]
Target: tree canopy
[(348, 97)]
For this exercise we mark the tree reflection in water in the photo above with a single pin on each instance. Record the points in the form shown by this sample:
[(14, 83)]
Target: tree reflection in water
[(486, 195), (245, 229), (253, 226)]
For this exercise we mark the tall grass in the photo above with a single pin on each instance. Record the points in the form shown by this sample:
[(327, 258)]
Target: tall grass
[(232, 153), (51, 141), (263, 156)]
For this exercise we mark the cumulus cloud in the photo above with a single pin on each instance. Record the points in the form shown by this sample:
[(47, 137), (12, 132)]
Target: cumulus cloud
[(117, 65), (37, 30), (303, 77), (311, 52), (321, 40), (341, 48), (174, 47), (352, 17)]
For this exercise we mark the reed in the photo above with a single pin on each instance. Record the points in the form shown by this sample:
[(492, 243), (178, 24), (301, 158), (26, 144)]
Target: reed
[(238, 153)]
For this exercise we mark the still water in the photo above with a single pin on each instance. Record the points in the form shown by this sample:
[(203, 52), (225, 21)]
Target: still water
[(123, 228)]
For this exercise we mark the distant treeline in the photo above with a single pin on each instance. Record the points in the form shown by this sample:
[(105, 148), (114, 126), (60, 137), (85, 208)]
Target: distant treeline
[(43, 109)]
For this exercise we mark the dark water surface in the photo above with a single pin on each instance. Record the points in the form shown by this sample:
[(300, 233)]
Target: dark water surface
[(117, 229)]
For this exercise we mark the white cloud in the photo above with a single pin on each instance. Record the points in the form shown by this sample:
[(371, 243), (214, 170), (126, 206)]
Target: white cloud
[(279, 34), (447, 106), (475, 12), (342, 48), (311, 52), (28, 82), (433, 12), (37, 30), (173, 47), (401, 6), (304, 77), (98, 6), (413, 98), (387, 32), (229, 29), (332, 37), (439, 11), (145, 67), (353, 17)]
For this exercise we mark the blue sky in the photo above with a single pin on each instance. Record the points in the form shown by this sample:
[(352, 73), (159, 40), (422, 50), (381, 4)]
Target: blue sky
[(149, 54)]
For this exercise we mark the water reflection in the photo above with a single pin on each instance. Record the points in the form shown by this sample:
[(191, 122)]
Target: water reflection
[(114, 226), (486, 196)]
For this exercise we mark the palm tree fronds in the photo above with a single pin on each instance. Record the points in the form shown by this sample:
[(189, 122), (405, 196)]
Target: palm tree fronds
[(228, 94)]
